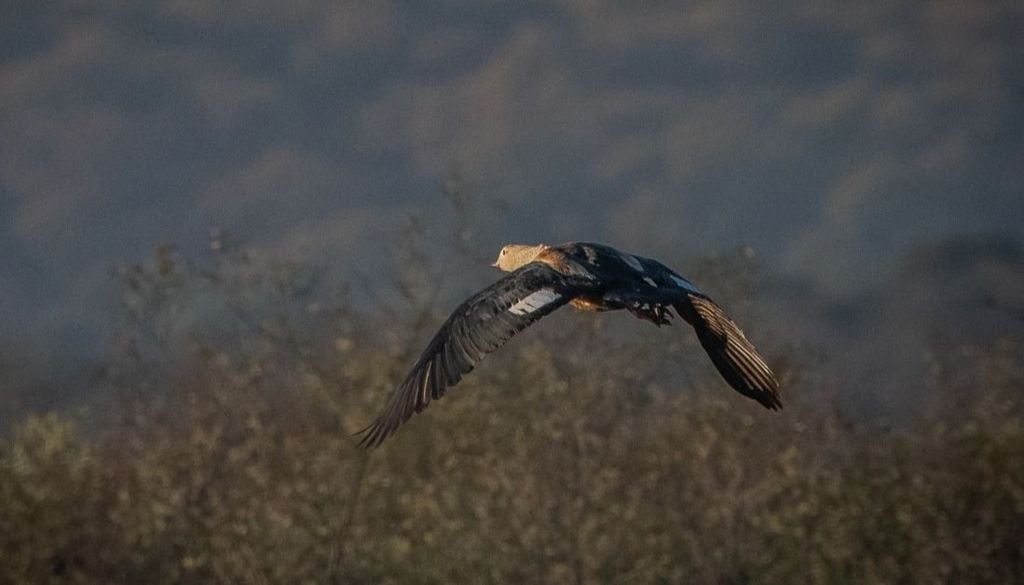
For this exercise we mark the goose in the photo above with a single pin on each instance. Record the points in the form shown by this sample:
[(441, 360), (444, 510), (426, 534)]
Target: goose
[(589, 277)]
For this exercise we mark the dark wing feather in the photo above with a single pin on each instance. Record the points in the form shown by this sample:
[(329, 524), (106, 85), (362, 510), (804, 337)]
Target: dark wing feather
[(476, 328), (735, 357)]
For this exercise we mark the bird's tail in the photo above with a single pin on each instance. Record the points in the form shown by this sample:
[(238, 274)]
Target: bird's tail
[(735, 357)]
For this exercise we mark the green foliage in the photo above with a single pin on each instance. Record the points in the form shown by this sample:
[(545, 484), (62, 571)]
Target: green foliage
[(237, 464)]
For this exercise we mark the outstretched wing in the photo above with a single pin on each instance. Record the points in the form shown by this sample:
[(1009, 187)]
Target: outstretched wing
[(734, 356), (476, 328)]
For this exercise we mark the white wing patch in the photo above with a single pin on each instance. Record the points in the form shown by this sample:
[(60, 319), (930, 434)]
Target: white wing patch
[(650, 281), (683, 283), (534, 301)]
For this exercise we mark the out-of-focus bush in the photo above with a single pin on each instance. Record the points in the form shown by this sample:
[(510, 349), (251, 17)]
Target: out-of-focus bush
[(592, 450)]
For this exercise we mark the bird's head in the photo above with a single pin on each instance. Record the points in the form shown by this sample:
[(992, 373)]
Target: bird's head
[(515, 256)]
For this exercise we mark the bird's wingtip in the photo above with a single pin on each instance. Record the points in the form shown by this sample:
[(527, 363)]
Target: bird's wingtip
[(371, 436)]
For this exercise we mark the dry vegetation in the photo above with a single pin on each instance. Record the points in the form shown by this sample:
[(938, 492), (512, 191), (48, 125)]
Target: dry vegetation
[(222, 452)]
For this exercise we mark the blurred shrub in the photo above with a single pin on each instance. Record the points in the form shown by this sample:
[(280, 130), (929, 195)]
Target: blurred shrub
[(226, 456)]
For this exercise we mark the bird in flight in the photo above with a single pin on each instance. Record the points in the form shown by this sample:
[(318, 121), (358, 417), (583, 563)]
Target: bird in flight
[(590, 277)]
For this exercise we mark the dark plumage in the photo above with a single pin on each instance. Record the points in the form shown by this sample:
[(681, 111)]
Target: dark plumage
[(590, 277)]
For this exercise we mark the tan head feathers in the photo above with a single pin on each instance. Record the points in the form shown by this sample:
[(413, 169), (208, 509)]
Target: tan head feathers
[(515, 256)]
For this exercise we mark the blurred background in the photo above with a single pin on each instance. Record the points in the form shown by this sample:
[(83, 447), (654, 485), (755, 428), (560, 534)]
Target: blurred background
[(227, 228)]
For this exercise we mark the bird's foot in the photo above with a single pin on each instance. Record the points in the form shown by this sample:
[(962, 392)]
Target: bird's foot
[(655, 313)]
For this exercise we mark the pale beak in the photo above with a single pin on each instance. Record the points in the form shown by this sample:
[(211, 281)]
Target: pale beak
[(495, 264)]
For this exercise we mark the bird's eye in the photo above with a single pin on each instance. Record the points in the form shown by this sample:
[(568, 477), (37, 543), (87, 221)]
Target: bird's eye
[(504, 251)]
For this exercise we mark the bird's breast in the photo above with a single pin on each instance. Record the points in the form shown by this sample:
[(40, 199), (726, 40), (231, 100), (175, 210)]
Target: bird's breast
[(589, 303)]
